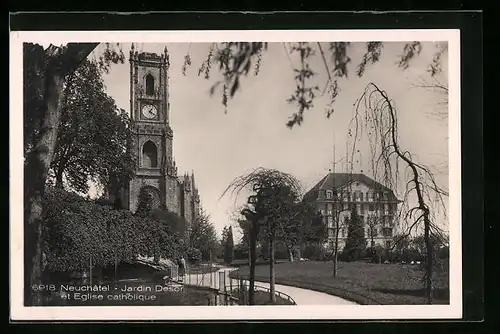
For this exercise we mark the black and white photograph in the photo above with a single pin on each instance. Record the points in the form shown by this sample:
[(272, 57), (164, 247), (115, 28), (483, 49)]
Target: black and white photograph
[(313, 174)]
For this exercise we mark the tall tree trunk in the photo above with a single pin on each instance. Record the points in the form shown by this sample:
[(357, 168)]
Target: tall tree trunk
[(272, 272), (59, 176), (288, 246), (428, 260), (39, 161), (372, 236), (420, 197), (254, 228), (336, 246), (40, 158)]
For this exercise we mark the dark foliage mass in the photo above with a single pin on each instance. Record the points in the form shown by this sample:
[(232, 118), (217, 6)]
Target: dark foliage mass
[(356, 243), (227, 244), (79, 231), (203, 236)]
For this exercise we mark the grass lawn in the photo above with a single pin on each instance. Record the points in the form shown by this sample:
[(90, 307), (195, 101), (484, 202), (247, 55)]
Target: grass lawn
[(244, 262), (365, 283)]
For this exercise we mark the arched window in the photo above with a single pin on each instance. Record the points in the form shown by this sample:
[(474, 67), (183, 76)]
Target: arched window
[(150, 84), (149, 155)]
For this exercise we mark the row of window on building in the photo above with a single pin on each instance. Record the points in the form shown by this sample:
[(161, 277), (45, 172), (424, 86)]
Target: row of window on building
[(385, 221), (358, 195), (386, 208), (374, 232)]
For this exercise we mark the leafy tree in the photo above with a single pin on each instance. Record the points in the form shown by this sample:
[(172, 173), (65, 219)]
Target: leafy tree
[(228, 245), (244, 226), (356, 242), (203, 235), (313, 226), (93, 134), (290, 224), (223, 241)]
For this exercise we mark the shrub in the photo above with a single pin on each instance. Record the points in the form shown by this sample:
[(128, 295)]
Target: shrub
[(193, 255), (411, 254), (77, 230), (374, 254), (313, 252)]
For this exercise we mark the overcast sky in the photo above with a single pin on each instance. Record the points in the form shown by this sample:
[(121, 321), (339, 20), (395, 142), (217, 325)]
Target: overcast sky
[(221, 146)]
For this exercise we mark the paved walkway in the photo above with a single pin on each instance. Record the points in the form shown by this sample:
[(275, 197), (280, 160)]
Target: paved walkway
[(301, 296)]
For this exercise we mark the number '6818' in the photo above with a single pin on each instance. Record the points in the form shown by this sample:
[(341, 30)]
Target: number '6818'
[(43, 287)]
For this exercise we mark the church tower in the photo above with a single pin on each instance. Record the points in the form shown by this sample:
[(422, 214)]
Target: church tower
[(152, 135), (151, 145)]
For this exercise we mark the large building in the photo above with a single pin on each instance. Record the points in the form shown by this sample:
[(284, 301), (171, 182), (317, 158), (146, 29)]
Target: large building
[(337, 193), (156, 170)]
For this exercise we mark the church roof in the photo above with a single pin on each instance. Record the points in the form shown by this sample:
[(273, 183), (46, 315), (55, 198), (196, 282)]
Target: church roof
[(332, 181)]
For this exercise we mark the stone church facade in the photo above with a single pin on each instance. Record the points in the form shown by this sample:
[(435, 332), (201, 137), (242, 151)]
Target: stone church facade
[(156, 170)]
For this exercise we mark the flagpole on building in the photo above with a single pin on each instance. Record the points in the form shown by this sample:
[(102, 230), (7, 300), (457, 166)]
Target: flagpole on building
[(334, 161)]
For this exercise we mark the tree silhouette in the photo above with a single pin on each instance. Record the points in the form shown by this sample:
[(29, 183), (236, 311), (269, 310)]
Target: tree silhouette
[(356, 242), (273, 192), (376, 111), (228, 244)]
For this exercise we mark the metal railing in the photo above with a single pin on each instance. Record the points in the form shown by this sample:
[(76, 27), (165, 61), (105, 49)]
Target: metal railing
[(226, 290), (241, 292), (277, 293), (239, 288)]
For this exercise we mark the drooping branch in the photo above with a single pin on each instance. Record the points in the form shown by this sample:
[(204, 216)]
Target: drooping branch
[(380, 115)]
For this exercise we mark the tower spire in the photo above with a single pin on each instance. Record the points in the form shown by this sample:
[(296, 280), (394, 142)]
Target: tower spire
[(192, 179), (167, 58), (334, 161)]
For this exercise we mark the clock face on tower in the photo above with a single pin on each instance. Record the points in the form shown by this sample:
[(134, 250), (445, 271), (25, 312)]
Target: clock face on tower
[(149, 111)]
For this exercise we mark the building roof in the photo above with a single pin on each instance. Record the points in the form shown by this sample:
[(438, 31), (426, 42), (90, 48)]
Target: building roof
[(333, 181)]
